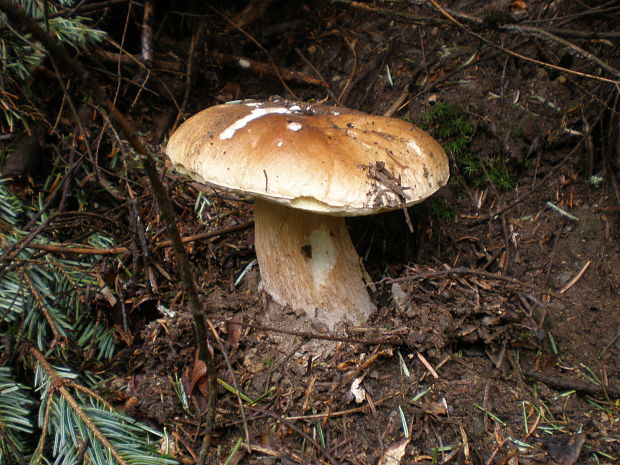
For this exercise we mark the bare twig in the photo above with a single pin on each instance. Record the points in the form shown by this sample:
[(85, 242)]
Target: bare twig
[(307, 437), (463, 21), (253, 65), (562, 382), (343, 412), (574, 49), (388, 339), (146, 38), (468, 271), (527, 194), (260, 46), (390, 13), (576, 278), (189, 73), (428, 366), (128, 59), (284, 457), (83, 7), (77, 249)]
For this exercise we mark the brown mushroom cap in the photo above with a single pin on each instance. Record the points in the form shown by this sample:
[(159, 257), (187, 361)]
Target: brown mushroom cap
[(320, 158)]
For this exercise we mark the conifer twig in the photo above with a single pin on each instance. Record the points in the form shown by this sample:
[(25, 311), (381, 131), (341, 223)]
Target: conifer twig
[(58, 338), (46, 422), (58, 384), (22, 22)]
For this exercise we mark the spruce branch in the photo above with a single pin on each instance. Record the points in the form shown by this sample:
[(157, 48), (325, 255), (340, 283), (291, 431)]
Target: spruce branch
[(59, 385), (25, 24), (20, 55), (59, 337), (40, 302), (85, 424), (50, 286), (15, 424)]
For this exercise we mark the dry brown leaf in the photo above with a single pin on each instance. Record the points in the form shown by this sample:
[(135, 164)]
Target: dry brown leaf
[(198, 377), (395, 453), (234, 329)]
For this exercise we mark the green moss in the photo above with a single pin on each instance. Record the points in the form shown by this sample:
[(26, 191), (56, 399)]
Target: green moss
[(517, 131), (440, 208), (455, 131), (448, 122)]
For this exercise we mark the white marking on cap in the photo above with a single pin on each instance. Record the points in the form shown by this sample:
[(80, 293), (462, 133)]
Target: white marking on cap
[(414, 146), (245, 64), (280, 143), (293, 126), (254, 114)]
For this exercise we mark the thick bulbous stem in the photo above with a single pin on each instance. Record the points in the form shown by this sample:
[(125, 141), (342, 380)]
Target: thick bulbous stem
[(307, 261)]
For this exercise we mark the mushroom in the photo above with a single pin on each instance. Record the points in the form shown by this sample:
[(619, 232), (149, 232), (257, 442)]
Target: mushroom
[(308, 167)]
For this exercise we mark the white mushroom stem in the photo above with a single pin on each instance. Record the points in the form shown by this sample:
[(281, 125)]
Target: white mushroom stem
[(307, 261)]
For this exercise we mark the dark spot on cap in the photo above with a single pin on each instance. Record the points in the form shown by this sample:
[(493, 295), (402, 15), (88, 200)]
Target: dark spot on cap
[(306, 251)]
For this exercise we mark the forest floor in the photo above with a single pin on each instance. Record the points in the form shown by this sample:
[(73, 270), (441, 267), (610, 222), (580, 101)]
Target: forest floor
[(499, 314), (497, 335)]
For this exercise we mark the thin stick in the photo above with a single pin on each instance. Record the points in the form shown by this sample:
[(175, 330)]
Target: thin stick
[(253, 65), (468, 271), (88, 8), (560, 382), (428, 366), (189, 74), (146, 39), (83, 250), (386, 340), (307, 437), (392, 13), (260, 46), (527, 194), (280, 455), (342, 412), (576, 278)]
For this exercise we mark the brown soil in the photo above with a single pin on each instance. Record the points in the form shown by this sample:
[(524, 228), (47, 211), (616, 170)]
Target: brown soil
[(497, 336)]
